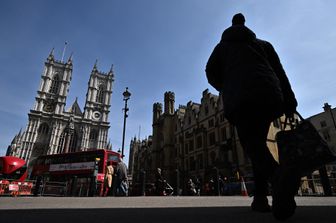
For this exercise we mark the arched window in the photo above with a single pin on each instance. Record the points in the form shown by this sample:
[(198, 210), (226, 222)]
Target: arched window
[(100, 94), (73, 142), (93, 138), (60, 146), (54, 85), (93, 135), (42, 138), (68, 139), (44, 129)]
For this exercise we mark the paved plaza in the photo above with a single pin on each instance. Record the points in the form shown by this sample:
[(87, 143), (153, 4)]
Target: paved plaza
[(155, 209)]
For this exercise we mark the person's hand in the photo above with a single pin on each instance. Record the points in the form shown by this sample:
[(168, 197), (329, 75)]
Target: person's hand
[(289, 115), (290, 108)]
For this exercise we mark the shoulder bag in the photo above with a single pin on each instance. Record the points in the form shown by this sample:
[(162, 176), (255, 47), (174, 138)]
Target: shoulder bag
[(303, 148)]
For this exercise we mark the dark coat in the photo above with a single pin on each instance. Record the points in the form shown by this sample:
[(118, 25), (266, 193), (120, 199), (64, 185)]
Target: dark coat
[(121, 171), (248, 73)]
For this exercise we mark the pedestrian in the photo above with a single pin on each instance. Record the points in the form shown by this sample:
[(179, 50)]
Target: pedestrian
[(211, 185), (221, 185), (122, 180), (255, 91), (191, 189), (226, 186), (159, 182), (109, 171), (198, 185)]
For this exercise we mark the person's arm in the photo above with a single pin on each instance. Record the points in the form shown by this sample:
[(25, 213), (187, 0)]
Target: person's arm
[(214, 68), (289, 97)]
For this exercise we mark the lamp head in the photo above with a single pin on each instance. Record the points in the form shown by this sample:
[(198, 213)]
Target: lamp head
[(126, 94)]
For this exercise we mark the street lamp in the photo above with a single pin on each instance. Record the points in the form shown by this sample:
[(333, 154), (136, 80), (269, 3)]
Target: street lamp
[(127, 96)]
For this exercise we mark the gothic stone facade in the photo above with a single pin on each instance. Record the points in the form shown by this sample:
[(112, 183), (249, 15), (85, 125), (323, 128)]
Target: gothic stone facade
[(192, 140), (140, 158), (51, 128)]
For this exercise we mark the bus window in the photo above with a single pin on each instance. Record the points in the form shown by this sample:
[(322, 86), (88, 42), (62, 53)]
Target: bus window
[(112, 157), (18, 173), (13, 168)]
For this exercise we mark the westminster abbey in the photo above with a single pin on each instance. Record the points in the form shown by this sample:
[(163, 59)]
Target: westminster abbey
[(52, 128)]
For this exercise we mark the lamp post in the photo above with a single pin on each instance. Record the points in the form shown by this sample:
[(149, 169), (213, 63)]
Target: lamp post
[(127, 96)]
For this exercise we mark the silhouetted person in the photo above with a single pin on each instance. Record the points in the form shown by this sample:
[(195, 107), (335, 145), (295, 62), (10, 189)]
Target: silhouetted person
[(191, 188), (159, 182), (255, 91), (122, 180), (211, 189), (198, 185), (162, 187), (221, 185)]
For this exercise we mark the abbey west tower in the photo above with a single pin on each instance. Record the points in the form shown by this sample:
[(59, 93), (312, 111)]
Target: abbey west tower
[(51, 128)]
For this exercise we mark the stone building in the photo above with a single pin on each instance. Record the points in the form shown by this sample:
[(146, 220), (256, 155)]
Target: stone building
[(325, 124), (54, 129), (140, 158), (192, 141)]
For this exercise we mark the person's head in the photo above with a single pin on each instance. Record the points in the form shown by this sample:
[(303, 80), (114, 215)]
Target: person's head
[(238, 19), (158, 170), (110, 163), (120, 159)]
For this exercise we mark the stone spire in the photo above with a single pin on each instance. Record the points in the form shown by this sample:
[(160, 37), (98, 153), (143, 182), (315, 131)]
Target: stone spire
[(70, 58), (111, 71), (95, 66), (51, 54)]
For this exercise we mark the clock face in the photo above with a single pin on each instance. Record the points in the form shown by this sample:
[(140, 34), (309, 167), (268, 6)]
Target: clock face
[(96, 115), (49, 106)]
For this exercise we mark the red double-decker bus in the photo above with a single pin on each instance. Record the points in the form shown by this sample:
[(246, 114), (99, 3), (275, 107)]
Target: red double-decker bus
[(13, 173), (78, 169), (13, 168)]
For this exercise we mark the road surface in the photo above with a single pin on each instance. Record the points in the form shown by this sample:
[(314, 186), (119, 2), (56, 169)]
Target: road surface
[(230, 209)]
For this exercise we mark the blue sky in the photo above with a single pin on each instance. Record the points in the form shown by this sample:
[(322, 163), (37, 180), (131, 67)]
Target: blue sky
[(155, 46)]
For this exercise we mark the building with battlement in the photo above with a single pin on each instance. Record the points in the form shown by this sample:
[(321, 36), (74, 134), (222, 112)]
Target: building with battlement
[(191, 141)]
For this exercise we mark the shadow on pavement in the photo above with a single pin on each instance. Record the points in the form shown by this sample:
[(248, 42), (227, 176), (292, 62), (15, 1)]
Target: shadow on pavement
[(306, 214)]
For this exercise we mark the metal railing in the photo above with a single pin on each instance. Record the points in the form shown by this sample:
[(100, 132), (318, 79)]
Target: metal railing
[(52, 188), (313, 187)]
